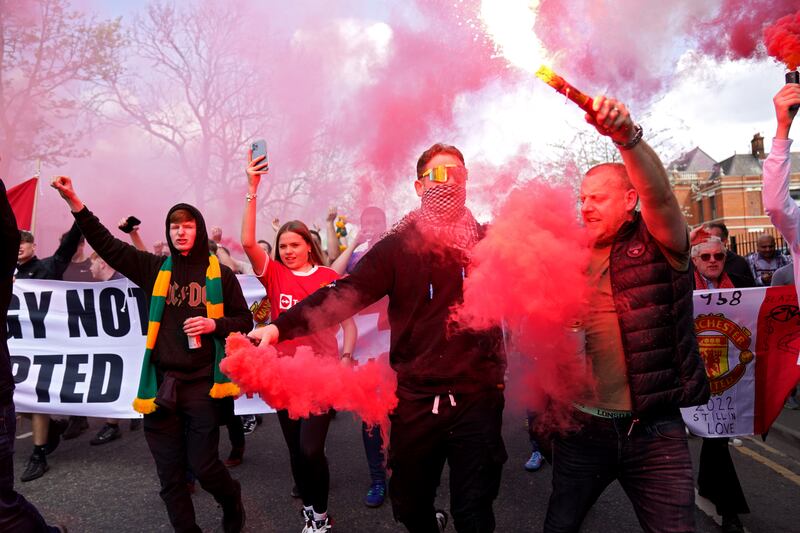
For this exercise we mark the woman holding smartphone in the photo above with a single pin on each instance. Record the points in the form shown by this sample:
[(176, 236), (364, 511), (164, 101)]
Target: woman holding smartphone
[(296, 272)]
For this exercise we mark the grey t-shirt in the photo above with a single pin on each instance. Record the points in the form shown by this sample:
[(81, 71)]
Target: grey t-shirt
[(783, 276)]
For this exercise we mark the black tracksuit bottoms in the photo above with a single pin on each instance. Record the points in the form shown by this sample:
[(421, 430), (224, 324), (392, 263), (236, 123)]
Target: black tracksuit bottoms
[(468, 436), (188, 437)]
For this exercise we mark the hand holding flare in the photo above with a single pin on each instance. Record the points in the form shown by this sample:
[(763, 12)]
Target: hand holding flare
[(609, 116)]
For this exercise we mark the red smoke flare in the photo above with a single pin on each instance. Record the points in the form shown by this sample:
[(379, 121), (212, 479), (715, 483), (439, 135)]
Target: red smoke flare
[(529, 274), (782, 40), (306, 384)]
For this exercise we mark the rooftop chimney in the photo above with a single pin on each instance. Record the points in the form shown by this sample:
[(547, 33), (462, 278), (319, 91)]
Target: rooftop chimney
[(757, 146)]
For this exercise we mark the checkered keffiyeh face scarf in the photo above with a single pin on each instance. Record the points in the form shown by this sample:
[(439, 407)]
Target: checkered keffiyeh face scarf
[(444, 212)]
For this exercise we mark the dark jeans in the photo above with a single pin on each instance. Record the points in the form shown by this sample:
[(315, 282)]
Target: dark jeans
[(306, 441), (16, 513), (717, 479), (467, 436), (189, 433), (652, 465), (373, 446)]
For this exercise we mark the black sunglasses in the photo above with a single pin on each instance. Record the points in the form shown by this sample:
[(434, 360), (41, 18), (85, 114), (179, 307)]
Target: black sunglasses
[(719, 256)]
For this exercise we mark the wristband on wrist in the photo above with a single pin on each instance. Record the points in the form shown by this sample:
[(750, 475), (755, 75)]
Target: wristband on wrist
[(347, 355), (637, 136)]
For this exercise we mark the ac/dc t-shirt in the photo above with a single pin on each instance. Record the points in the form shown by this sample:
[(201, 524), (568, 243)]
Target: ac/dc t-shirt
[(285, 288)]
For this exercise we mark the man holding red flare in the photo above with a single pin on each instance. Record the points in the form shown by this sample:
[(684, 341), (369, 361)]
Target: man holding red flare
[(640, 341), (449, 382)]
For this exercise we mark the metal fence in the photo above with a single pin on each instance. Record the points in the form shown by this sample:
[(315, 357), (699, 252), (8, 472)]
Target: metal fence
[(747, 243)]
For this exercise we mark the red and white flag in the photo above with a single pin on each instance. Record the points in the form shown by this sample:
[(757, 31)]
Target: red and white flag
[(750, 342), (22, 198)]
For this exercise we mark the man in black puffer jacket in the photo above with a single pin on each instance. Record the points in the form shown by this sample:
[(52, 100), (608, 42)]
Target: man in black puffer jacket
[(640, 342)]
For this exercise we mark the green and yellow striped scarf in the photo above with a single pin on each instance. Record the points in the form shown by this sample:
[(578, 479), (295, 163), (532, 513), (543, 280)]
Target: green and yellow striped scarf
[(148, 386)]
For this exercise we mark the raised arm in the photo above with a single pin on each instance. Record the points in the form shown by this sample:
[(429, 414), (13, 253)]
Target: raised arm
[(332, 237), (257, 256), (340, 264), (136, 239), (659, 207), (138, 266), (778, 204)]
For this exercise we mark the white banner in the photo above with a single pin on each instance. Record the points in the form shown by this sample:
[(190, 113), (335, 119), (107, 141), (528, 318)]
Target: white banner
[(77, 348), (749, 341)]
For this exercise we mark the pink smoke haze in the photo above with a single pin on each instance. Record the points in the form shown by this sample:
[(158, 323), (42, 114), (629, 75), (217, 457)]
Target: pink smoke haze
[(367, 390), (782, 40), (534, 259)]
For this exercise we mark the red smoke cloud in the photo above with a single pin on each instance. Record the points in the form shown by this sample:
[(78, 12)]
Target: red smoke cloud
[(306, 384), (735, 32), (534, 259), (631, 49), (783, 40)]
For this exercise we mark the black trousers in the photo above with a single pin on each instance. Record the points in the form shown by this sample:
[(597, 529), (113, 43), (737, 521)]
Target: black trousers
[(16, 513), (189, 433), (717, 479), (466, 435), (306, 441)]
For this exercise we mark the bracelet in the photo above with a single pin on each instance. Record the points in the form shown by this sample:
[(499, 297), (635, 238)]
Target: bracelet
[(637, 136), (347, 356), (250, 196)]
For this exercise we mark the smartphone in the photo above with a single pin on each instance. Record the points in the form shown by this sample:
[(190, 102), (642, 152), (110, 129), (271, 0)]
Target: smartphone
[(130, 223), (259, 148)]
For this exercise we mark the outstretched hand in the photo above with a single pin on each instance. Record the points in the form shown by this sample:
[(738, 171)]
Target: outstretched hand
[(612, 119), (63, 184), (265, 335)]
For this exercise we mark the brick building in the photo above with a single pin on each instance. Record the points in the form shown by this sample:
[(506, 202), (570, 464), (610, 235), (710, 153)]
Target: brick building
[(727, 191)]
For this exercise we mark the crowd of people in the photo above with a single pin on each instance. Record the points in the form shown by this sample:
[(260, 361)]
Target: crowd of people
[(645, 264)]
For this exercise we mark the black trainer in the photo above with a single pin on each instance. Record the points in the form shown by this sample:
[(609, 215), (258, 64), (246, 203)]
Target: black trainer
[(75, 426), (233, 520), (106, 434), (36, 467)]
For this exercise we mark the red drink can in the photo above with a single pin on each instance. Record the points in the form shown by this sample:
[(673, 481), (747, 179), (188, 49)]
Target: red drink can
[(194, 342)]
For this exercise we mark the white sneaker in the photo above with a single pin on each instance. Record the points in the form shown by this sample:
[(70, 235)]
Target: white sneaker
[(308, 519), (321, 526)]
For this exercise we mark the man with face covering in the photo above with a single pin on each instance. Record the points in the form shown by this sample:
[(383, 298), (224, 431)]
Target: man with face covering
[(449, 383), (194, 304)]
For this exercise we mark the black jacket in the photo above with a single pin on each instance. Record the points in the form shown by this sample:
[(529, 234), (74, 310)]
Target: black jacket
[(52, 267), (428, 353), (736, 266), (9, 237), (656, 318), (186, 296)]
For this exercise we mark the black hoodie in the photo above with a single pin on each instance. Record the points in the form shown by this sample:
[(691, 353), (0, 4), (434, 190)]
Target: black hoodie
[(186, 295)]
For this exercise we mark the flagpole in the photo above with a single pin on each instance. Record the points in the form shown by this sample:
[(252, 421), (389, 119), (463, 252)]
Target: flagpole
[(38, 176)]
